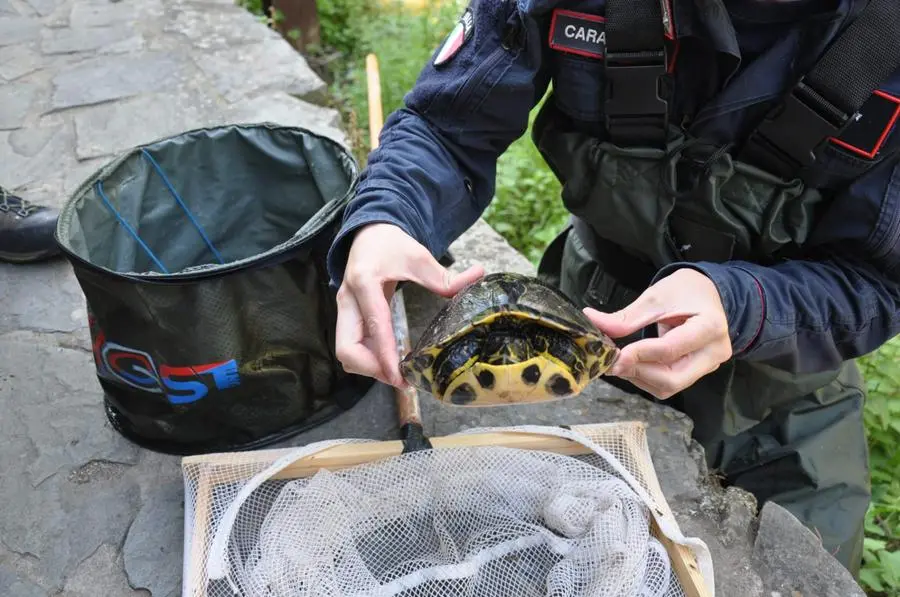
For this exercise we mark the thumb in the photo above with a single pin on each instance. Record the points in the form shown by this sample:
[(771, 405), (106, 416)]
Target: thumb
[(427, 272)]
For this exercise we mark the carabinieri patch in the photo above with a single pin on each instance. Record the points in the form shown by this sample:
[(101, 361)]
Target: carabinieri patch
[(462, 33)]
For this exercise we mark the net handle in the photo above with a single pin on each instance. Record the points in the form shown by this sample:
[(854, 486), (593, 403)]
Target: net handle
[(409, 413)]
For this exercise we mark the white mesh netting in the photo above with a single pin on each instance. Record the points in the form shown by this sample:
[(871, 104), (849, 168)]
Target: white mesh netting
[(476, 520)]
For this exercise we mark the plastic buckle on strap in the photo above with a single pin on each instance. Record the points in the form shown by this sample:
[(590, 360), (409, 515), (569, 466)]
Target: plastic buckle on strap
[(785, 142), (636, 110)]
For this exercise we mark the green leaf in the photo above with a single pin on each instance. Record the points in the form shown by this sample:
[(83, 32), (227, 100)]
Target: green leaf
[(870, 579), (890, 561)]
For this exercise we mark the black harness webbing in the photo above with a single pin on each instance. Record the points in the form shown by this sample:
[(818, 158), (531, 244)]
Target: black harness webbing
[(636, 108), (825, 101)]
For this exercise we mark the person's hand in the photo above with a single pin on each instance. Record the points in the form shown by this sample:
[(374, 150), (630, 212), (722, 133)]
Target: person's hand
[(382, 255), (692, 328)]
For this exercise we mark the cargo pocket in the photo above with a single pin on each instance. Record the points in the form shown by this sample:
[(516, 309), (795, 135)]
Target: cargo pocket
[(625, 199)]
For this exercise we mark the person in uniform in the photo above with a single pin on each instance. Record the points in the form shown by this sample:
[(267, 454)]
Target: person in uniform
[(26, 230), (731, 167)]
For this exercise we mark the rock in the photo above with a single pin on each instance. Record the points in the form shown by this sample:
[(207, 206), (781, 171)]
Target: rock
[(16, 99), (30, 141), (102, 569), (44, 7), (62, 427), (107, 129), (12, 583), (116, 77), (18, 30), (219, 29), (792, 561), (62, 498), (85, 39), (47, 154), (286, 110), (153, 549), (103, 13), (62, 523), (236, 73), (24, 291), (19, 60), (482, 245), (6, 8)]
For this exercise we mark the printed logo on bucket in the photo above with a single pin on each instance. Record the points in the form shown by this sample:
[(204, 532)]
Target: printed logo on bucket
[(180, 385)]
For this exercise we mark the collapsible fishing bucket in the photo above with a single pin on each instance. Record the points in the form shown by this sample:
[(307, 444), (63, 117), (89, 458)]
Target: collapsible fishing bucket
[(202, 260)]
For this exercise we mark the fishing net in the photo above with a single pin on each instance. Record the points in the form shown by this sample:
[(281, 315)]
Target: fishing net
[(476, 518)]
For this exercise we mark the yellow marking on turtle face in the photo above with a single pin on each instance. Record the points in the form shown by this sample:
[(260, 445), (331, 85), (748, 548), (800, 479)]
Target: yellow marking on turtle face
[(540, 379)]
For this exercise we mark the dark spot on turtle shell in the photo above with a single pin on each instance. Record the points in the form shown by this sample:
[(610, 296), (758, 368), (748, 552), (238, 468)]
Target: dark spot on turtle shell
[(559, 385), (578, 368), (595, 369), (464, 394), (608, 358), (596, 347), (423, 362), (513, 288), (531, 375), (486, 379)]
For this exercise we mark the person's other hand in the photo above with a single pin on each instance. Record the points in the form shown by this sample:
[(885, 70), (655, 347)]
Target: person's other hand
[(382, 255), (692, 328)]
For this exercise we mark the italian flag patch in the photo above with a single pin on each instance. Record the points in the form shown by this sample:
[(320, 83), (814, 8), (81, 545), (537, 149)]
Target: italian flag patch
[(462, 33)]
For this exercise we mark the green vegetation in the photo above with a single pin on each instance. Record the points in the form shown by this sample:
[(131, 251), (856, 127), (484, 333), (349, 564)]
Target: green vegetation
[(527, 211)]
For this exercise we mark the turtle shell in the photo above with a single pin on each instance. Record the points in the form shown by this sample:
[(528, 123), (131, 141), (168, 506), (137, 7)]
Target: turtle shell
[(508, 338)]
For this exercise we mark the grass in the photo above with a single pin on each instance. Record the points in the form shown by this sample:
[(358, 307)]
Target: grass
[(528, 212)]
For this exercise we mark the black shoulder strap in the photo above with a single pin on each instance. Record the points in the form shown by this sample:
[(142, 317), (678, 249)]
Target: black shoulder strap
[(824, 102), (635, 64)]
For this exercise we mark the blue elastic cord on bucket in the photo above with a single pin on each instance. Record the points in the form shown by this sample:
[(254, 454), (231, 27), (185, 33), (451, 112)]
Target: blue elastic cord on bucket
[(183, 206), (129, 228)]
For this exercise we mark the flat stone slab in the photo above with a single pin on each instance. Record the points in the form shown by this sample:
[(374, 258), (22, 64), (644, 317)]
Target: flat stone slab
[(16, 99), (18, 30), (287, 110), (793, 561), (19, 60), (108, 129), (219, 29), (104, 13), (235, 71), (115, 77), (87, 39)]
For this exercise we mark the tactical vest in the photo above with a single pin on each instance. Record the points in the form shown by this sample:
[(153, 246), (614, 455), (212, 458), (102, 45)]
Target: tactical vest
[(646, 193)]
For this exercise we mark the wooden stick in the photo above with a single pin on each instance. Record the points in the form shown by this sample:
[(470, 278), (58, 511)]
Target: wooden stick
[(409, 414), (376, 118)]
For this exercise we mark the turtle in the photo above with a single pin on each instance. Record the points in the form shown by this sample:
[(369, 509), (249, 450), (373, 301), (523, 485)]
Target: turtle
[(508, 338)]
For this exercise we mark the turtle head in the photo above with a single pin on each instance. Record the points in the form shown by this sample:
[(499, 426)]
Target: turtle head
[(601, 353)]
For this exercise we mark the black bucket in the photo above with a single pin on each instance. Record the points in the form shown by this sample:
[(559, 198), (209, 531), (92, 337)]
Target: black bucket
[(202, 260)]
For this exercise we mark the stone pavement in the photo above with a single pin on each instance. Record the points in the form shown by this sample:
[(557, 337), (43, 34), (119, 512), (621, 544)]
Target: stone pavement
[(84, 512)]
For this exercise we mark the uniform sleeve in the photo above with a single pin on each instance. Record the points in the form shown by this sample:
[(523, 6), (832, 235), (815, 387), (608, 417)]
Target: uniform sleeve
[(839, 304), (433, 173)]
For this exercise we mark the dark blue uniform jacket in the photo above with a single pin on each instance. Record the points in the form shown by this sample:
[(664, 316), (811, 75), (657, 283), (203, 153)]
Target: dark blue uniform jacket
[(434, 172)]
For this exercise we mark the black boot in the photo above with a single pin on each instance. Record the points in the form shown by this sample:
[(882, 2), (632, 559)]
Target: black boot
[(26, 230)]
